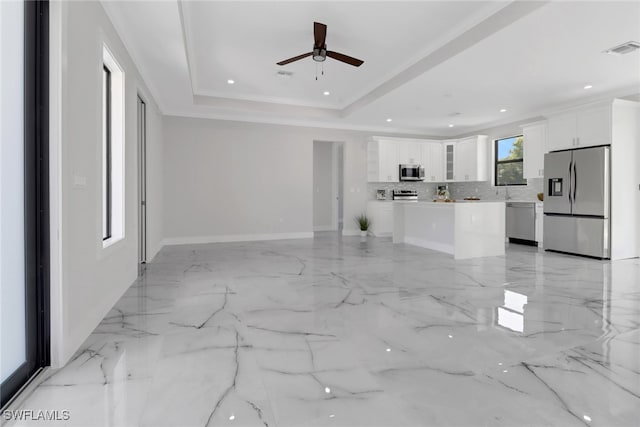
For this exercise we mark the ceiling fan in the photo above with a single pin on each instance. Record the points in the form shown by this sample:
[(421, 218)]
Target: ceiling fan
[(320, 51)]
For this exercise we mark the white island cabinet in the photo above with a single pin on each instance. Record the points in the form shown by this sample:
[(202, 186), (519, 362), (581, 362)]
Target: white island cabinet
[(463, 229)]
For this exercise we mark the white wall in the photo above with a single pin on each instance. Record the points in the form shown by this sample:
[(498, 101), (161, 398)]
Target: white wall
[(155, 184), (229, 180), (625, 195), (87, 280), (323, 207)]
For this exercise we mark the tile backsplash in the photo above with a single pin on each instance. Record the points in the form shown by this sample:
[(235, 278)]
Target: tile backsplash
[(425, 190), (459, 190)]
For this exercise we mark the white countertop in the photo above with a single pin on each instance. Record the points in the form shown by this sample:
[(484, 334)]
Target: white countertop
[(537, 202), (457, 202)]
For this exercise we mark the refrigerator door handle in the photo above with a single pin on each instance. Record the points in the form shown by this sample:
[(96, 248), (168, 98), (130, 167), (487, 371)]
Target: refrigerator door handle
[(570, 178), (575, 180)]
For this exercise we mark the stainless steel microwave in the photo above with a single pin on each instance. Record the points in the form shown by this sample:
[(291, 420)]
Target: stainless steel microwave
[(411, 173)]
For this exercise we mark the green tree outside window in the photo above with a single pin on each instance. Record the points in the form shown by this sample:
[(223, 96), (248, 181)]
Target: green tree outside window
[(509, 157)]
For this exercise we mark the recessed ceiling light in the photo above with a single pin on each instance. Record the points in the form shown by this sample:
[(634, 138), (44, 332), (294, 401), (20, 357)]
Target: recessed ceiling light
[(326, 93), (389, 120), (230, 81), (503, 110), (588, 87), (450, 126)]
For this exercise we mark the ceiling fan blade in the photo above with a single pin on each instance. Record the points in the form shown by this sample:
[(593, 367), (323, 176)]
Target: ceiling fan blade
[(319, 34), (295, 58), (344, 58)]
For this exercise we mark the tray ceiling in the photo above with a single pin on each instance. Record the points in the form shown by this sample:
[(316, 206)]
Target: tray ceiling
[(424, 61)]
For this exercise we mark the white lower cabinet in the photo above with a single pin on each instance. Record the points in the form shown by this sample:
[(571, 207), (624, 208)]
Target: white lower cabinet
[(539, 223), (381, 214)]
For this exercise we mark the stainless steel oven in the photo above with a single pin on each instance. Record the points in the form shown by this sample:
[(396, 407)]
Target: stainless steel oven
[(411, 173)]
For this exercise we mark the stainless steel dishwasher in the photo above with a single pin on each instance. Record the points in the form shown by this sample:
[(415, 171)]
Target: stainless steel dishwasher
[(521, 222)]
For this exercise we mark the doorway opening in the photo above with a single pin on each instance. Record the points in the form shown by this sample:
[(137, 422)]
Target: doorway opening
[(142, 181), (328, 186)]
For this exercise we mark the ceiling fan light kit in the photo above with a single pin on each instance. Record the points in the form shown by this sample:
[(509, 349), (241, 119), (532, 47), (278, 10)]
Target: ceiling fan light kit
[(319, 55), (320, 52)]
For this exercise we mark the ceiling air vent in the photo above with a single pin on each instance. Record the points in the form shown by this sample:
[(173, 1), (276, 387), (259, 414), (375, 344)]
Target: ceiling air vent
[(623, 48), (285, 74)]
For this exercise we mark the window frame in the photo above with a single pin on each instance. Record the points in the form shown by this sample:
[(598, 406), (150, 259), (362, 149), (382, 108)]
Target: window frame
[(116, 155), (497, 162), (107, 149)]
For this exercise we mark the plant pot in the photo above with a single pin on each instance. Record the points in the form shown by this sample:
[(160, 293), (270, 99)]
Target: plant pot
[(363, 233)]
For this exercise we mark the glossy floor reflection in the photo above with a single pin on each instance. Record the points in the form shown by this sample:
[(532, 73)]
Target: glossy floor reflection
[(336, 331)]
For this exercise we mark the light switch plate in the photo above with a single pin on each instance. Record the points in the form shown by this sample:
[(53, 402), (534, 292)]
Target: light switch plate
[(79, 181)]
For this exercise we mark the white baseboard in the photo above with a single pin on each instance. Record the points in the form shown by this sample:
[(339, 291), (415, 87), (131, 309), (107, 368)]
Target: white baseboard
[(227, 238), (324, 228), (155, 249), (351, 232)]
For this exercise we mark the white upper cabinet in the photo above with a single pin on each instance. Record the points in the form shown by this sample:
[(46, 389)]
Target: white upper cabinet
[(389, 162), (584, 127), (535, 142), (562, 132), (449, 149), (383, 161), (594, 126), (443, 161), (433, 161), (410, 153), (470, 160), (465, 164)]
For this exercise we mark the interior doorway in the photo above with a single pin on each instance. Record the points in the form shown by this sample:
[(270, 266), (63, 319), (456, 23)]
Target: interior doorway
[(338, 153), (142, 181), (328, 185)]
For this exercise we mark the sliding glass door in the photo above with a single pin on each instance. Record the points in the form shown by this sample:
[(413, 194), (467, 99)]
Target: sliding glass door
[(12, 265), (23, 193)]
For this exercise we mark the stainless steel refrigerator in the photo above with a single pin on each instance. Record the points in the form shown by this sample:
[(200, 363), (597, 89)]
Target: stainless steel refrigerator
[(577, 201)]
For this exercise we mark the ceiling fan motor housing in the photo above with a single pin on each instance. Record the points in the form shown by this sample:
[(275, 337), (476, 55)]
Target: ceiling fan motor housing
[(320, 54)]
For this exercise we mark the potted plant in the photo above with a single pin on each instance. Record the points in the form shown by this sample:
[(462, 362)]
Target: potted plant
[(364, 223)]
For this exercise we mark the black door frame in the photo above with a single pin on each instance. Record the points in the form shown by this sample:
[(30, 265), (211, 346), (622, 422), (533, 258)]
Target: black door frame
[(36, 189)]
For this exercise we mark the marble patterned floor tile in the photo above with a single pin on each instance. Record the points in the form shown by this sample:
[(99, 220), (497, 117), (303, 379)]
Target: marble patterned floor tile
[(350, 332)]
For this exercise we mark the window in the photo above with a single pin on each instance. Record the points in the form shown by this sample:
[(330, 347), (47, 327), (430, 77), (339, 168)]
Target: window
[(509, 161), (106, 153), (112, 150)]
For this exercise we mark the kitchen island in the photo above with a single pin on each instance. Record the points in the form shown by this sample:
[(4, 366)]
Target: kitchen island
[(464, 229)]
